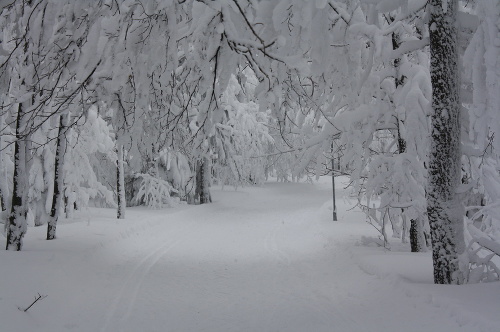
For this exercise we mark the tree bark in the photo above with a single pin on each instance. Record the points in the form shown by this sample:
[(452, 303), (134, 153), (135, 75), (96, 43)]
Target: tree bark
[(203, 181), (57, 199), (417, 238), (4, 191), (444, 209), (120, 183), (2, 201), (16, 224), (3, 194), (334, 206)]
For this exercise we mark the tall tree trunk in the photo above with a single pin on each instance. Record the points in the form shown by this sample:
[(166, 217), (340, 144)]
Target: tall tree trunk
[(120, 183), (3, 193), (203, 181), (444, 209), (2, 201), (57, 199), (416, 235), (4, 189), (334, 206), (16, 224), (417, 238)]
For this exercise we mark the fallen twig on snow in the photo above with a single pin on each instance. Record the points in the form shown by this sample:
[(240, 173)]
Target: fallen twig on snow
[(37, 298)]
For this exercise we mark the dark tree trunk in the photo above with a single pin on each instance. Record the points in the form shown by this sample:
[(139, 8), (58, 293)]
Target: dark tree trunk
[(203, 181), (444, 209), (2, 201), (16, 224), (4, 191), (57, 199), (334, 206), (417, 238), (120, 184), (3, 194)]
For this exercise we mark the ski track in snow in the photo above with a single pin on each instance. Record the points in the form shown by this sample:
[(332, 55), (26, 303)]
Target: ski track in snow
[(258, 259), (127, 295)]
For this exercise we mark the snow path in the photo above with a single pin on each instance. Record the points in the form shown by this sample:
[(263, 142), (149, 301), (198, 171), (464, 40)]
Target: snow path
[(257, 259)]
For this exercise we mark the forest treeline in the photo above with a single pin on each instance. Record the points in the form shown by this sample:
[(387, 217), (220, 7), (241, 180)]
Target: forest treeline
[(120, 103)]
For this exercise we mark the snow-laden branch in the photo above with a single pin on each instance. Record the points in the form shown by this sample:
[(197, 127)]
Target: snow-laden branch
[(346, 17), (408, 46)]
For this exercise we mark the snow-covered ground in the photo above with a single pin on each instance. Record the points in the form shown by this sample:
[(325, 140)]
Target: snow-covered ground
[(257, 259)]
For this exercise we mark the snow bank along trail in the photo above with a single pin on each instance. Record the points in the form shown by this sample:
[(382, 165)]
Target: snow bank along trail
[(257, 259)]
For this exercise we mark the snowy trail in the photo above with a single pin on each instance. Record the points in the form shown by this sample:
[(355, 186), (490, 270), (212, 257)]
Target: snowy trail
[(222, 254), (257, 259)]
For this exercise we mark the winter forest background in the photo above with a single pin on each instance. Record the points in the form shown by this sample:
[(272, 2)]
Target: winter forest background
[(125, 103)]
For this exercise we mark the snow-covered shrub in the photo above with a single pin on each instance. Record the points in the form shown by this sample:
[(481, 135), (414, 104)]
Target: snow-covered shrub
[(397, 182), (174, 167), (240, 137), (132, 185), (479, 261), (41, 175), (90, 136), (378, 218), (155, 192)]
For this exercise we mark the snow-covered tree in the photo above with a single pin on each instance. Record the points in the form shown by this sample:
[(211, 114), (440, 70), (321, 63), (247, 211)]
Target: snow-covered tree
[(240, 136), (41, 174), (236, 89), (90, 135), (48, 61), (57, 198), (481, 60)]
